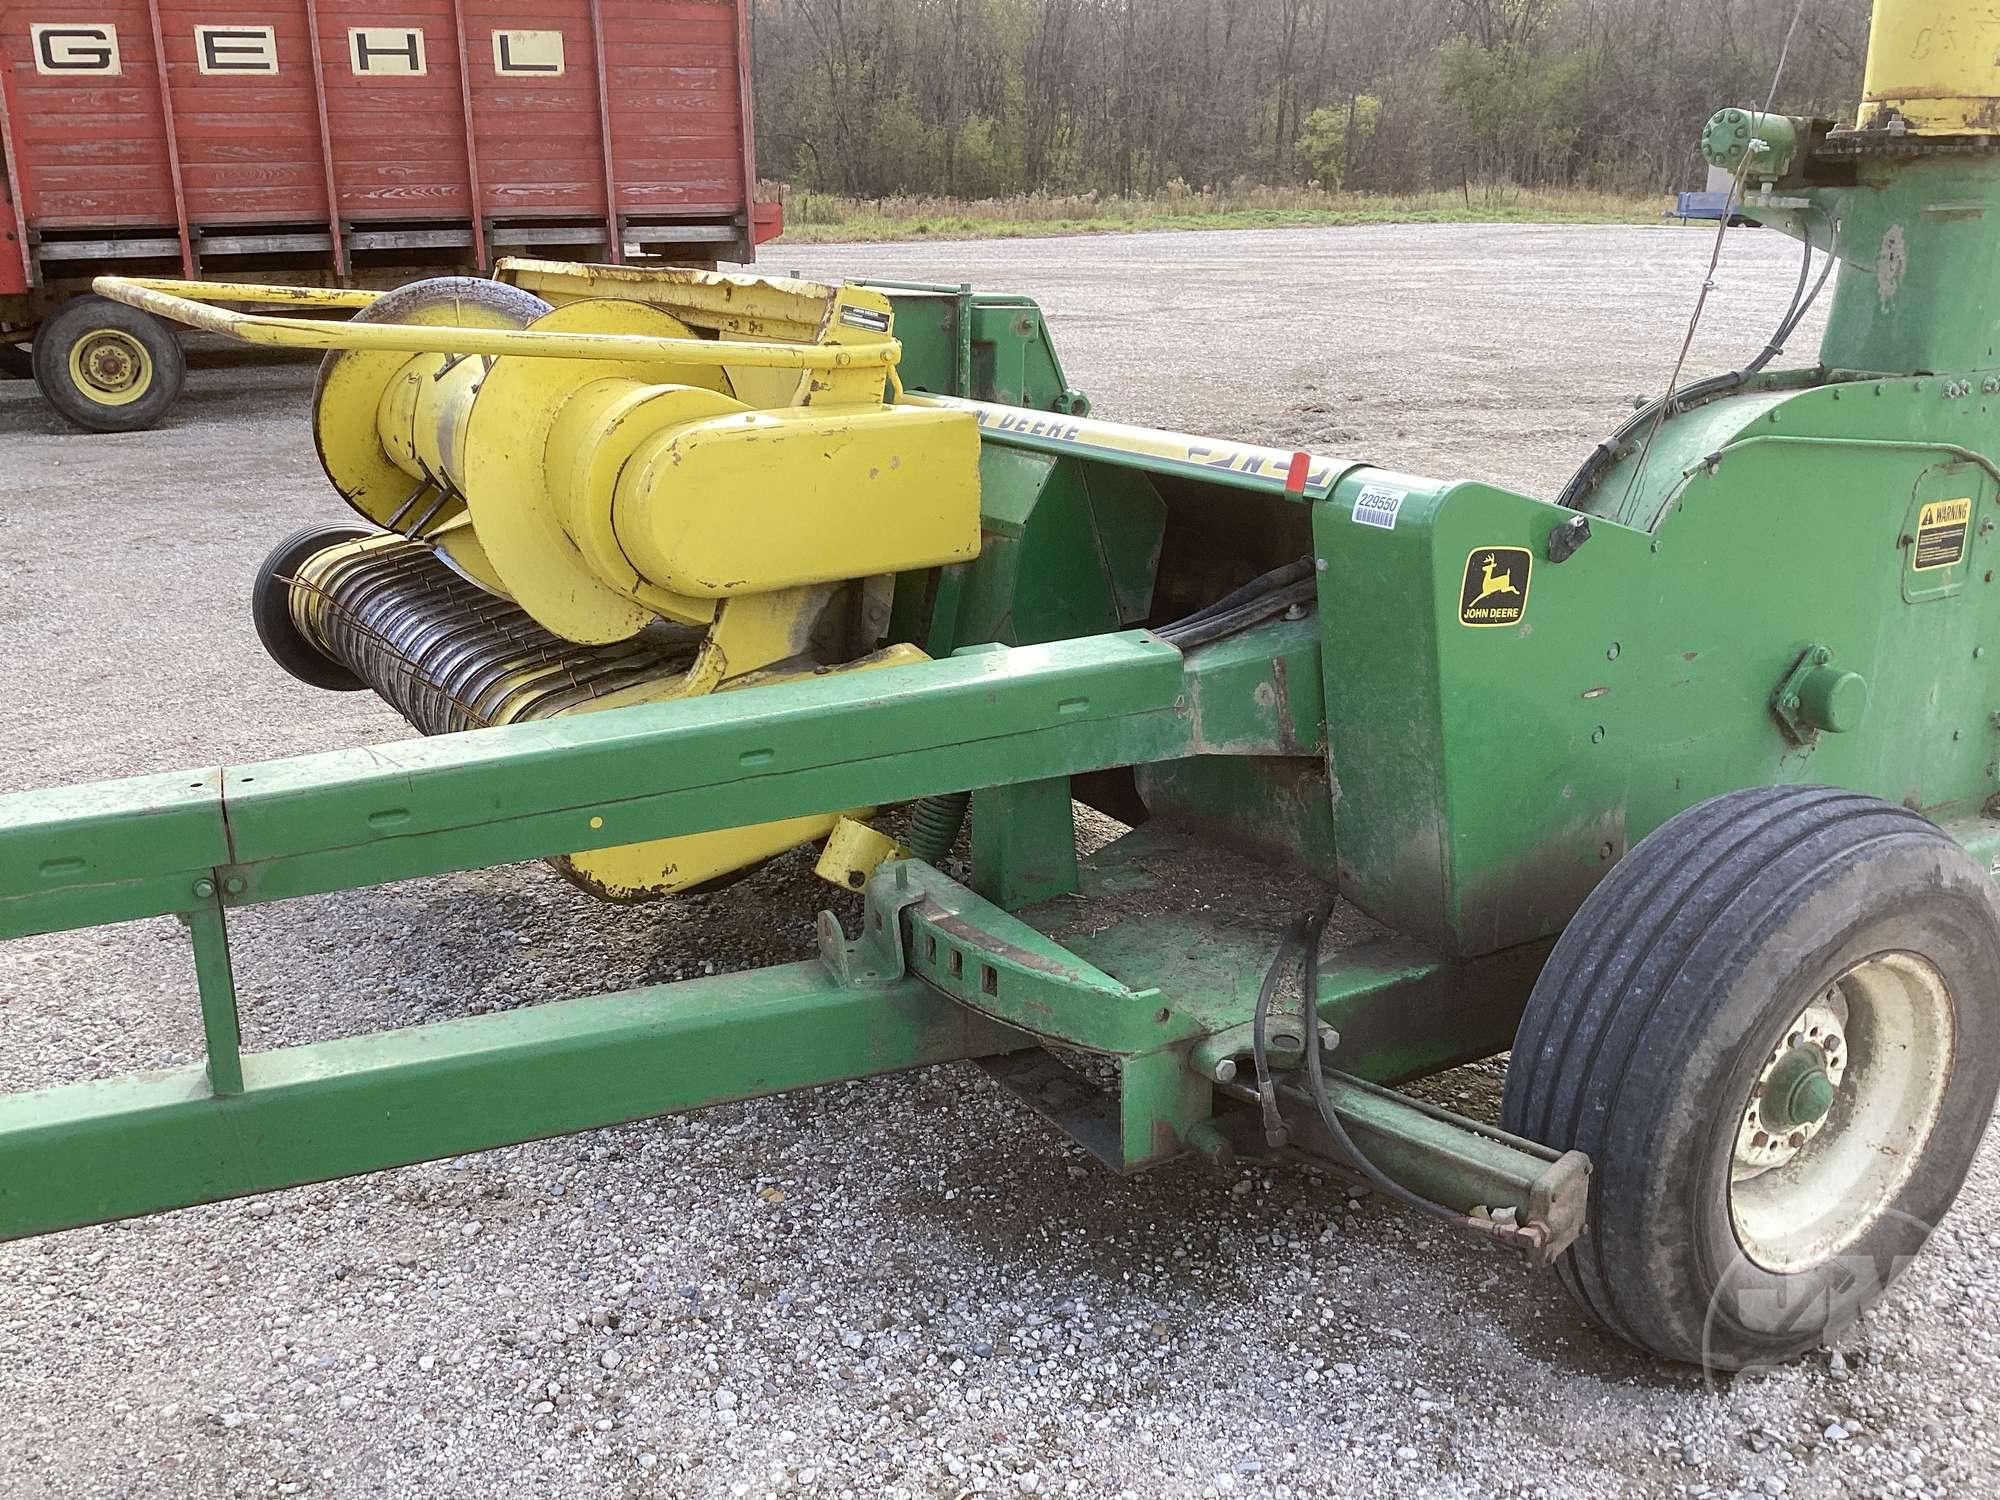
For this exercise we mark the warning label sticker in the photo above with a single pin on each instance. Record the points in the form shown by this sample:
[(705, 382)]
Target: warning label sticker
[(1496, 586), (1941, 530)]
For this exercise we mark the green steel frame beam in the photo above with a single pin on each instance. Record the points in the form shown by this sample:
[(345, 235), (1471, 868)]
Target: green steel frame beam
[(85, 1153), (920, 921), (194, 844), (121, 850), (1014, 721), (1461, 1163), (989, 717)]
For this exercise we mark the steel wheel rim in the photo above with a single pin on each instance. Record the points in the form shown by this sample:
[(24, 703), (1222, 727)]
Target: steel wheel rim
[(1888, 1054), (110, 366)]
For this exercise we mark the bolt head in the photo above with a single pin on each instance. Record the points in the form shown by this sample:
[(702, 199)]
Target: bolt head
[(203, 889)]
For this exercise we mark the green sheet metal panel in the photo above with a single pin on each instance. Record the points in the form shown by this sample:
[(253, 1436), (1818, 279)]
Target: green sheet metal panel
[(1917, 236), (1490, 771), (1069, 548), (990, 346)]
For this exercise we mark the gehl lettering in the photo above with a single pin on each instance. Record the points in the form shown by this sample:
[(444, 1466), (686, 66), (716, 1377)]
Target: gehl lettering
[(81, 48), (528, 53), (236, 49), (390, 51), (373, 51)]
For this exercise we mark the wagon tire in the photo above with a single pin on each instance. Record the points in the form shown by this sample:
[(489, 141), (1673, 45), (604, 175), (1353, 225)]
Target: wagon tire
[(1775, 1029), (106, 367), (271, 609)]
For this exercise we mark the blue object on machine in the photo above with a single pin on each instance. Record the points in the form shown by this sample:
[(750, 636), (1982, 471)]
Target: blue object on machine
[(1700, 205)]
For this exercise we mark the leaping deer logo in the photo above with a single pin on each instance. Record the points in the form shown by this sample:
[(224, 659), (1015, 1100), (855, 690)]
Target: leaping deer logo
[(1491, 583)]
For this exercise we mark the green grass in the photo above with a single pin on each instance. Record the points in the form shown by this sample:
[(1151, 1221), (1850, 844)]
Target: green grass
[(822, 218)]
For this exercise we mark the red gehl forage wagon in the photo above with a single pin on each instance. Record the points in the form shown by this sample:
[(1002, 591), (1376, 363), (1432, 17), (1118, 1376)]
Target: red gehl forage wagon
[(334, 143)]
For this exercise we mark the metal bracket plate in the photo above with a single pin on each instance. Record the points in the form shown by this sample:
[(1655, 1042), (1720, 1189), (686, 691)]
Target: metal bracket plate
[(1786, 703), (921, 922)]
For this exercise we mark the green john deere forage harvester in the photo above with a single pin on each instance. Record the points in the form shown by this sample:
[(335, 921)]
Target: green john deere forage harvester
[(1684, 786)]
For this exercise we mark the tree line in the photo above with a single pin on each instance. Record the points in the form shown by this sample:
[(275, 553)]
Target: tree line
[(987, 98)]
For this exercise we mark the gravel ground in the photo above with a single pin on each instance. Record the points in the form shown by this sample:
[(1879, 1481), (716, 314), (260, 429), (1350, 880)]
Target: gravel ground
[(904, 1288)]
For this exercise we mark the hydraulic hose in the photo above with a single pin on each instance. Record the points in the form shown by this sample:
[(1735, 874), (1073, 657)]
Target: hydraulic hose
[(1316, 1082), (1266, 595), (1607, 453), (1263, 583), (935, 823), (1275, 1133), (1241, 617)]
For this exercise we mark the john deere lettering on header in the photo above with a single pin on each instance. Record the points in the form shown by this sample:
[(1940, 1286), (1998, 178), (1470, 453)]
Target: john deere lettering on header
[(1704, 842), (1143, 448)]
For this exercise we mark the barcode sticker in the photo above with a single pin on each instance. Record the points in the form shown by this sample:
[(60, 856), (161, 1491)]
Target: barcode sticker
[(1377, 507)]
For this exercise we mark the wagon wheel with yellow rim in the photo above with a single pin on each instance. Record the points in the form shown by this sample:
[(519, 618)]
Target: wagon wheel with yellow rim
[(107, 367)]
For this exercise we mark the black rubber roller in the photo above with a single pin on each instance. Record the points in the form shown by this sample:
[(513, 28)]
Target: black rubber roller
[(271, 609)]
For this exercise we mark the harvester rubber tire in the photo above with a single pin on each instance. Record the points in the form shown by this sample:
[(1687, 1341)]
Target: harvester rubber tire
[(359, 376), (271, 609), (511, 302), (516, 307), (106, 367), (1652, 1037)]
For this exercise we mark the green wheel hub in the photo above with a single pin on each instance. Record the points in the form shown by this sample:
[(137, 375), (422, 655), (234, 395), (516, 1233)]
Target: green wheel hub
[(1799, 1091), (1796, 1088), (1824, 1145)]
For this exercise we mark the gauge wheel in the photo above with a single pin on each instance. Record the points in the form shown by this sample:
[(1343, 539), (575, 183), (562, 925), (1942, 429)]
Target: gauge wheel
[(107, 367), (1775, 1029), (271, 608)]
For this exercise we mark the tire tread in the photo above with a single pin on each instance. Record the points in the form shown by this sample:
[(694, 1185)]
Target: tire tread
[(1618, 961)]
